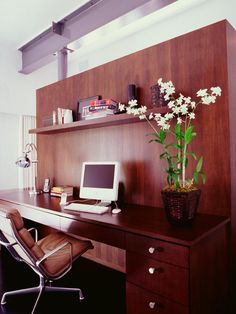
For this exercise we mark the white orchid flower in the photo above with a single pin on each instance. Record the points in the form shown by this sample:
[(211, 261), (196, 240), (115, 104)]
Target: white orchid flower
[(121, 107), (179, 120), (202, 93), (191, 115), (216, 91), (133, 102), (184, 109)]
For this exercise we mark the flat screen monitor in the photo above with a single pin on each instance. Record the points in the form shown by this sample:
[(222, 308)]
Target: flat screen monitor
[(100, 180)]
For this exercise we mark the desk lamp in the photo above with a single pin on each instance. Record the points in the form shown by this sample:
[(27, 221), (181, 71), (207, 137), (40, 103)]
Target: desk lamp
[(25, 162)]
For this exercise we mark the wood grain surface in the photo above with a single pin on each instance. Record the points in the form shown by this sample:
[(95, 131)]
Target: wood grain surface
[(192, 61)]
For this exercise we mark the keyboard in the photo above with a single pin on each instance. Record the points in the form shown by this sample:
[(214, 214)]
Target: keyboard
[(87, 208)]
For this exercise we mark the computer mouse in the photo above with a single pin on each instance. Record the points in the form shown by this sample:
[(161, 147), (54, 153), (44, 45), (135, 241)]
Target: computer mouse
[(116, 210)]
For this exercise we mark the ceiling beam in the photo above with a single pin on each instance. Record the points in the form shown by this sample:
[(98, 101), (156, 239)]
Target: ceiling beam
[(89, 17)]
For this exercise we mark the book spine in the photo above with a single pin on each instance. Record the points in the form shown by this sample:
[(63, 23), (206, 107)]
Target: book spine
[(59, 194), (62, 190), (103, 102), (96, 115), (102, 108)]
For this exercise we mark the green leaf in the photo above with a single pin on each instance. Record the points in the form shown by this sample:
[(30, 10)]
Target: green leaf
[(189, 134), (178, 132), (203, 177), (199, 164), (162, 136), (179, 161), (195, 177), (162, 155), (186, 162), (192, 154), (173, 145), (176, 177), (177, 183)]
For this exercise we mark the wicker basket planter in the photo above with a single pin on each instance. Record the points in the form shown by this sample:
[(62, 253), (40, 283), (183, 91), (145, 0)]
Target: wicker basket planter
[(180, 207)]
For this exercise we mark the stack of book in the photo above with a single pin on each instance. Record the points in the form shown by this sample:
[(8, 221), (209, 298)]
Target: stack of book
[(58, 190), (101, 108)]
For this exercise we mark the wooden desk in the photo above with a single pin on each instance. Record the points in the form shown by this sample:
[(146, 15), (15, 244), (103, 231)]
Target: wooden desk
[(168, 269)]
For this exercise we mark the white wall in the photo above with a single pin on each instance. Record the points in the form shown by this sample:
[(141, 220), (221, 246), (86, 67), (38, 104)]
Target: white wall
[(17, 96), (17, 91), (9, 136)]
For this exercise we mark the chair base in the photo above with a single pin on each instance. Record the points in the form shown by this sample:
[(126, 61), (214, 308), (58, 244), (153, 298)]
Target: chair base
[(40, 289)]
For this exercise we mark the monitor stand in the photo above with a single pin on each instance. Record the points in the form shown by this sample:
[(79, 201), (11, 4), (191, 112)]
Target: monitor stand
[(104, 203), (115, 210)]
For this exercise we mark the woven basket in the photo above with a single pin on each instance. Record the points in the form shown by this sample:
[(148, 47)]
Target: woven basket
[(180, 207)]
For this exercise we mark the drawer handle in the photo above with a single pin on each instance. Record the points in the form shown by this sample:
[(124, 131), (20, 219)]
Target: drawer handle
[(152, 305), (152, 249), (151, 270), (155, 305)]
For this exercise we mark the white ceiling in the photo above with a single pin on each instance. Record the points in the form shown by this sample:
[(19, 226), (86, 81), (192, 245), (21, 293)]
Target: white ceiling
[(22, 20)]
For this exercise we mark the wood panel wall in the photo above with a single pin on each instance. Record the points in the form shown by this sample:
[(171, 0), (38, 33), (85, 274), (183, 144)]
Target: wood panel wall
[(192, 61), (231, 44)]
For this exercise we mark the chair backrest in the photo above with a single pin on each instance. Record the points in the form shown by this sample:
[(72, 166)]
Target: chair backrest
[(12, 229)]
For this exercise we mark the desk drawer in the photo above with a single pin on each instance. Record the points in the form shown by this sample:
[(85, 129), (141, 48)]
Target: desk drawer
[(40, 216), (158, 277), (140, 301), (94, 231), (157, 249)]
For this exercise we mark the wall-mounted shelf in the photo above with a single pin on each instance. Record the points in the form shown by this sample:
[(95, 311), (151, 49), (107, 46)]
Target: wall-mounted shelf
[(94, 123)]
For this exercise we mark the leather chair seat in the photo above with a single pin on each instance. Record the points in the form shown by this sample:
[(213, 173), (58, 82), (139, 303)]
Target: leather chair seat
[(51, 257), (58, 262)]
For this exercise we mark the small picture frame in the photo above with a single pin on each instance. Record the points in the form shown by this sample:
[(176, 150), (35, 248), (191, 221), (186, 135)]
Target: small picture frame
[(83, 106)]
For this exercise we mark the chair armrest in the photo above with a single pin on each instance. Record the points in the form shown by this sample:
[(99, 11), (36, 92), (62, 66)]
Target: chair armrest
[(59, 247), (35, 233), (7, 244)]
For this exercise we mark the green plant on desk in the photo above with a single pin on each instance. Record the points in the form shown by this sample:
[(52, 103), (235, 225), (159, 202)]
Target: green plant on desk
[(175, 131)]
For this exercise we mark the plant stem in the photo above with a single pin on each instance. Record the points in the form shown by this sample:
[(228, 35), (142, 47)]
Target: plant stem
[(184, 157), (179, 158), (183, 168), (151, 125)]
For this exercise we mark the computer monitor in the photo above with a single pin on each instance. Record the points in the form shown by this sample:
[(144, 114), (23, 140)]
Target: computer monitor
[(100, 181)]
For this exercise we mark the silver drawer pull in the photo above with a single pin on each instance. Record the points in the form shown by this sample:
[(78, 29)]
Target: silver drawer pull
[(151, 250), (151, 270), (152, 305)]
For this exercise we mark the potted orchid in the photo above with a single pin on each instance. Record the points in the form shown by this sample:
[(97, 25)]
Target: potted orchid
[(174, 130)]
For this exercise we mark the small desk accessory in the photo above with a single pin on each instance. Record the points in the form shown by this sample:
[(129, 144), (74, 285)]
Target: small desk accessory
[(63, 198)]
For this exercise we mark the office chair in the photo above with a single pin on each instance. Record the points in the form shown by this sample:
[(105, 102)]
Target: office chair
[(51, 257)]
